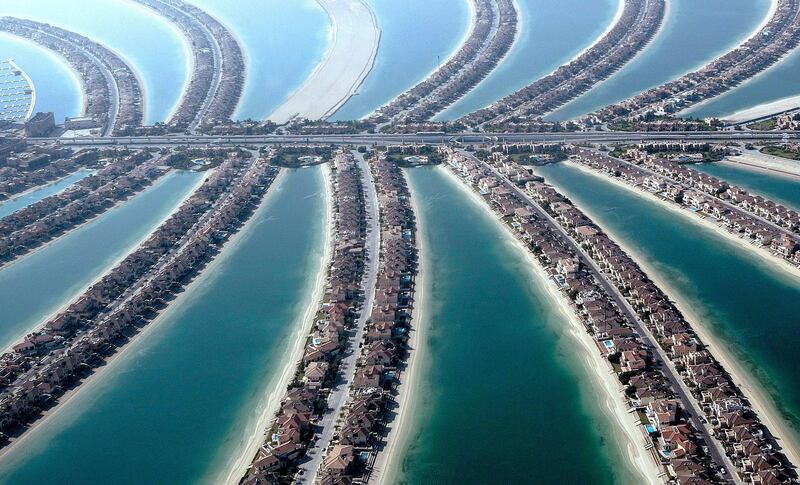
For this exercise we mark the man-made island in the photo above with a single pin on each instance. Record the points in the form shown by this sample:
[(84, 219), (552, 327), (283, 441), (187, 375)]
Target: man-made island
[(217, 67), (111, 89)]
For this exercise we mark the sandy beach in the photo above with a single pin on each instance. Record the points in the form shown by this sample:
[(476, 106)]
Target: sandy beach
[(755, 160), (601, 371), (765, 109), (84, 390), (242, 456), (355, 39), (761, 403), (389, 461)]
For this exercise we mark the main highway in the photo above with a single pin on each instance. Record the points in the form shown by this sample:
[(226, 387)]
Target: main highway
[(428, 138)]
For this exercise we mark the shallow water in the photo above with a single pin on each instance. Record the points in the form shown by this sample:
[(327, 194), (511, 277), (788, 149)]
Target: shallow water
[(36, 286), (502, 382), (744, 301), (176, 408)]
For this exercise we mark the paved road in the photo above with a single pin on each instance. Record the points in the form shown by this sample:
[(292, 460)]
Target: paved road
[(347, 368), (217, 80), (430, 138), (661, 360)]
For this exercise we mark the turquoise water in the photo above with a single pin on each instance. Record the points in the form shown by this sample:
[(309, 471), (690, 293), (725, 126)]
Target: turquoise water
[(36, 286), (503, 390), (413, 34), (57, 90), (175, 408), (693, 34), (284, 41), (773, 84), (553, 32), (743, 300), (148, 43), (783, 189), (13, 205)]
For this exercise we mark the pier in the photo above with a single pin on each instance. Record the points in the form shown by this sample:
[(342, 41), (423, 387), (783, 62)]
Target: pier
[(17, 93)]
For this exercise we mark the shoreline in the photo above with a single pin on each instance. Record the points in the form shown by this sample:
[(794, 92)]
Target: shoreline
[(614, 21), (667, 18), (760, 402), (136, 340), (45, 186), (691, 110), (188, 56), (786, 268), (236, 466), (765, 109), (762, 162), (127, 251), (74, 74), (365, 72), (612, 409), (455, 49), (308, 100), (388, 464), (442, 116)]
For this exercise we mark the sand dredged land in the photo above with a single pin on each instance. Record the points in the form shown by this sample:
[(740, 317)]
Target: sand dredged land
[(348, 61)]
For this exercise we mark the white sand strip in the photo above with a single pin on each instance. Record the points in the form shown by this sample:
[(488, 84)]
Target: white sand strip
[(769, 163), (760, 400), (598, 369), (355, 38), (242, 455), (766, 109), (387, 465)]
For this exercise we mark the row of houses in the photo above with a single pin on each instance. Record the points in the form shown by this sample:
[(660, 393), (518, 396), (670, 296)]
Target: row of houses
[(130, 102), (674, 443), (779, 35), (229, 92), (32, 226), (745, 439), (38, 369), (638, 23), (97, 87), (204, 63), (383, 350), (305, 403), (493, 32), (741, 213), (30, 168)]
